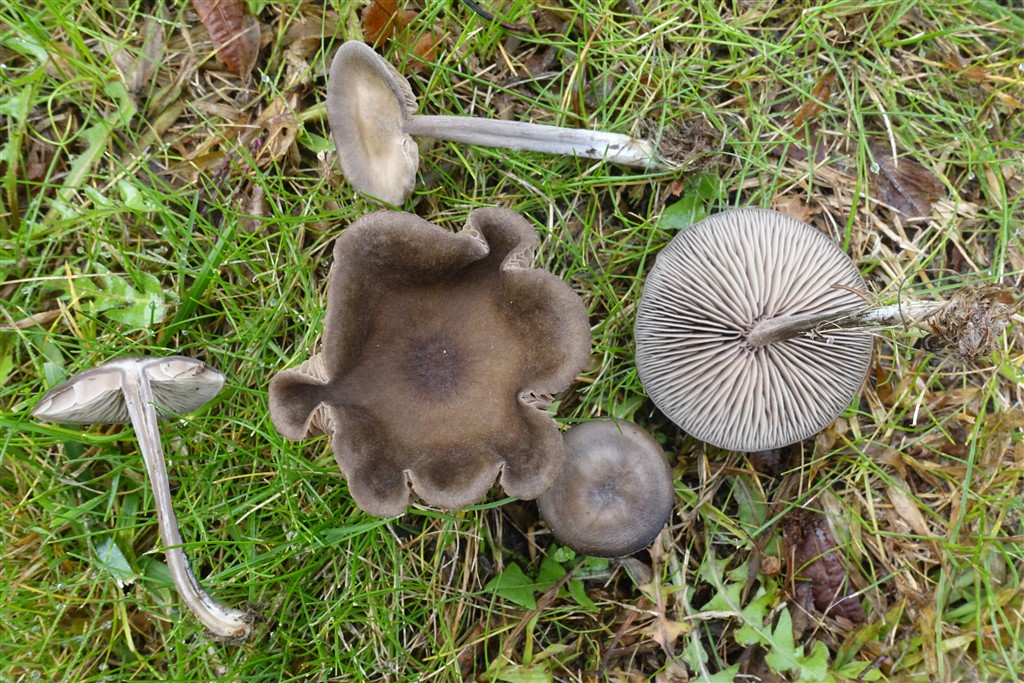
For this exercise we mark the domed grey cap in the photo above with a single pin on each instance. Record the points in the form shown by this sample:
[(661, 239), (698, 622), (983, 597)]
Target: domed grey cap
[(615, 492), (736, 273)]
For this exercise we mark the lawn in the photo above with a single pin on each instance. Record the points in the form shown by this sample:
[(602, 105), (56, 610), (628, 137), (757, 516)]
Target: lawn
[(159, 196)]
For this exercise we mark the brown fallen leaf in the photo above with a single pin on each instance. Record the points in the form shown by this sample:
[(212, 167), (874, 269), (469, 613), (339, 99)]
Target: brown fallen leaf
[(384, 20), (819, 98), (234, 32), (904, 184), (793, 206), (816, 565), (380, 19)]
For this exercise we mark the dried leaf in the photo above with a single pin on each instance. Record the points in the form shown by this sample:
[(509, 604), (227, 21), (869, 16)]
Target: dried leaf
[(137, 69), (819, 97), (380, 19), (425, 49), (904, 184), (311, 28), (908, 511), (665, 631), (281, 124), (37, 162), (795, 207), (816, 562), (235, 33), (973, 321)]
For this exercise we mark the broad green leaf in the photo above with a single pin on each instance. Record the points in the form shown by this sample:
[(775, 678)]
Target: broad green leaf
[(141, 309), (515, 586), (753, 630), (313, 142), (137, 304), (550, 572), (523, 674), (6, 365), (781, 654), (698, 193), (110, 559), (785, 655), (579, 593), (815, 666), (135, 198)]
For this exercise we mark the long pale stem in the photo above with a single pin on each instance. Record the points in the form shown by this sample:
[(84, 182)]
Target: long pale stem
[(787, 327), (535, 137), (223, 622)]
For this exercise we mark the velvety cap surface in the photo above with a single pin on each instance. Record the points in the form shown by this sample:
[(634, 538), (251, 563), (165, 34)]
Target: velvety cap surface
[(441, 353), (615, 492)]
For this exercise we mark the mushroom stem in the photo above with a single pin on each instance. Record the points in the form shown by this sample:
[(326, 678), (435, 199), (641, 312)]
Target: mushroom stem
[(223, 622), (534, 137), (779, 329)]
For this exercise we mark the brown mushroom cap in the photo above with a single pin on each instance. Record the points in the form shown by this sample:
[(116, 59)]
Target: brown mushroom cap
[(441, 353), (615, 492), (368, 108), (707, 290)]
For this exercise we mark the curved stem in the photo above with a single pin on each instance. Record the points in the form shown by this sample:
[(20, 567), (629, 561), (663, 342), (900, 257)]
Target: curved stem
[(534, 137), (223, 622)]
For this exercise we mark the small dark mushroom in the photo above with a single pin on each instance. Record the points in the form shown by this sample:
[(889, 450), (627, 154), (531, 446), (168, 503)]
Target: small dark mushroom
[(615, 492), (370, 107), (734, 341), (441, 353), (142, 390)]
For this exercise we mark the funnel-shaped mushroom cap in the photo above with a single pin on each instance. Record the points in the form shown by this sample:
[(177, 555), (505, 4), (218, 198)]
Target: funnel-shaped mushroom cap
[(708, 290), (368, 108), (441, 353), (615, 492), (96, 396)]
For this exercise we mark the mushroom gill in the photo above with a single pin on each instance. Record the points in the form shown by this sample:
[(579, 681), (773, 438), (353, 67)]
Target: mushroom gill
[(715, 348)]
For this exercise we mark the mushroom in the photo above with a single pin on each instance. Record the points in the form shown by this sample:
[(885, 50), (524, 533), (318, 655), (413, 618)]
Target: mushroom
[(733, 336), (141, 390), (370, 110), (615, 492), (441, 354)]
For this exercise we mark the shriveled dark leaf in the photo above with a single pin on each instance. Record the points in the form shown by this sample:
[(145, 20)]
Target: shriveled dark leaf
[(234, 32), (766, 461), (973, 321), (817, 565), (904, 184)]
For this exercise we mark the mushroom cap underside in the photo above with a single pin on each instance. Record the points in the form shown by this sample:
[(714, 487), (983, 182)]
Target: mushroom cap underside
[(708, 288), (441, 352), (615, 492), (368, 107), (179, 385)]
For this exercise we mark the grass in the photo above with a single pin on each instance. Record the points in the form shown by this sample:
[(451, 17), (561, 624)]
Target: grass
[(153, 203)]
